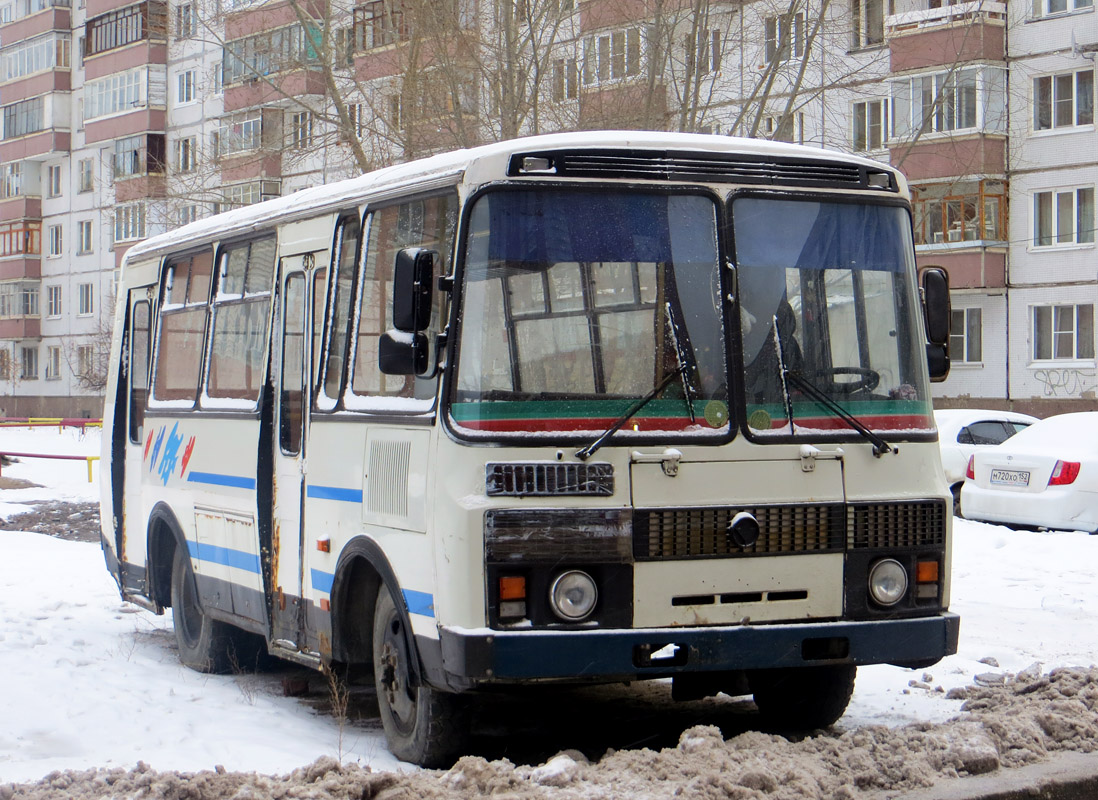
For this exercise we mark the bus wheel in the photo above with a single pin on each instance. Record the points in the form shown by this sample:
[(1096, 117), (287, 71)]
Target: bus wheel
[(422, 725), (802, 698), (204, 644)]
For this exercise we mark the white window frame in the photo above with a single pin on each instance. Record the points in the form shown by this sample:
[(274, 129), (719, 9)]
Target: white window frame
[(302, 125), (56, 241), (1055, 87), (1054, 8), (129, 222), (612, 56), (863, 139), (86, 167), (85, 239), (783, 29), (53, 301), (565, 79), (184, 21), (186, 87), (53, 180), (53, 363), (186, 154), (1060, 323), (28, 363), (86, 299), (966, 347), (1052, 205)]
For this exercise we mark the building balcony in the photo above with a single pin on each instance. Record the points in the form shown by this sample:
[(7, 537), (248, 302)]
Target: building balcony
[(56, 18), (36, 146), (21, 207), (142, 120), (939, 156), (14, 268), (274, 89), (55, 80), (20, 328), (132, 56), (626, 104), (251, 166), (972, 31), (971, 265)]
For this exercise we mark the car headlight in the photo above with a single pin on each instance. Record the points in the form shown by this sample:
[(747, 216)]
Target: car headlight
[(573, 595), (887, 582)]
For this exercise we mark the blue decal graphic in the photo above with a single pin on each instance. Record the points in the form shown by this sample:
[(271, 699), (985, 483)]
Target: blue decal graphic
[(171, 454), (156, 448)]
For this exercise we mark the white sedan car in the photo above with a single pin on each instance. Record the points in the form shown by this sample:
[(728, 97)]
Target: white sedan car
[(963, 431), (1045, 476)]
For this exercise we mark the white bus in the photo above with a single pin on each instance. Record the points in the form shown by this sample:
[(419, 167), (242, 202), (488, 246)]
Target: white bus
[(574, 408)]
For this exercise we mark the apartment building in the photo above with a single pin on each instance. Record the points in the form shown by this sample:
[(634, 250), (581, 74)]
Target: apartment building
[(124, 119)]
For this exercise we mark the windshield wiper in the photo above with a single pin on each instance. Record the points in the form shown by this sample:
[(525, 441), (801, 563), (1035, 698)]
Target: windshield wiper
[(684, 358), (880, 446), (586, 452)]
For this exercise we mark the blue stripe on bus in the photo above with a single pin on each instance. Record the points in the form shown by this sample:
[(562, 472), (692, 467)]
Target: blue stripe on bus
[(333, 493), (322, 581), (236, 481), (249, 562), (420, 603)]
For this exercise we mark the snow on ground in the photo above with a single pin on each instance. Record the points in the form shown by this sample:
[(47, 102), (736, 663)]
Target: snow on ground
[(90, 681)]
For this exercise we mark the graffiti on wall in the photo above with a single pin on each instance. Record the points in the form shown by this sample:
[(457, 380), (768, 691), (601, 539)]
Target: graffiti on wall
[(1065, 382)]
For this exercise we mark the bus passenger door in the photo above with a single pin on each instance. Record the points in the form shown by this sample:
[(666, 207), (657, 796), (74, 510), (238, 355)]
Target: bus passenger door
[(129, 519), (291, 422)]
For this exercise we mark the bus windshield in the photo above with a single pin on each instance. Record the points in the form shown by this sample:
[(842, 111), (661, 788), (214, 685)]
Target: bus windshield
[(827, 299), (579, 302)]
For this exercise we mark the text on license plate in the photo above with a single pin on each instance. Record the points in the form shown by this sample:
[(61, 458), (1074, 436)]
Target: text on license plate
[(1010, 477)]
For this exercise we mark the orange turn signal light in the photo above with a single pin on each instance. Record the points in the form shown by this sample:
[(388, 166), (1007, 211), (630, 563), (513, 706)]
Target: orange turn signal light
[(512, 587), (926, 572)]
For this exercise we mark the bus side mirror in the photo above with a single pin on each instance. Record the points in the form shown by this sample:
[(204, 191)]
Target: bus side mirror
[(405, 349), (413, 275), (937, 314)]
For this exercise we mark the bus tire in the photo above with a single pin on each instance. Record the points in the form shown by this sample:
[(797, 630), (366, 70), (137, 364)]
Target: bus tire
[(802, 698), (422, 725), (205, 644)]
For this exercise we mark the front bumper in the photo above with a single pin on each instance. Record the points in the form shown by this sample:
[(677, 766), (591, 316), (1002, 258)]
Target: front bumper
[(483, 656)]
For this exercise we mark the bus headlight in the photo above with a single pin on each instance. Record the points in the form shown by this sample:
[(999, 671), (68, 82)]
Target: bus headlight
[(887, 582), (573, 595)]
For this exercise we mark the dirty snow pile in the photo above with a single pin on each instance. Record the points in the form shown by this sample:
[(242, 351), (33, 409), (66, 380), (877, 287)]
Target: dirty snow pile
[(1017, 722)]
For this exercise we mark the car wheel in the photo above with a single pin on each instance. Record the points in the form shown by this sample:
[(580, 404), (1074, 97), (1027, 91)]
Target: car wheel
[(422, 725), (802, 698)]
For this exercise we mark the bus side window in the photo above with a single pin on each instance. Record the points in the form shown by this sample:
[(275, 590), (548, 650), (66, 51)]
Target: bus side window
[(139, 367), (426, 222), (293, 369), (345, 256), (184, 304), (241, 312)]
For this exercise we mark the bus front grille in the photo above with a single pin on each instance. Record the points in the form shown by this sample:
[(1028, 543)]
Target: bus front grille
[(548, 480), (826, 528)]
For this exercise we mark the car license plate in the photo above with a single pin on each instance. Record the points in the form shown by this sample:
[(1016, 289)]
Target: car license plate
[(1010, 477)]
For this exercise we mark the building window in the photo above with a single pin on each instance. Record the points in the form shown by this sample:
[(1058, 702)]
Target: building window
[(53, 181), (86, 302), (966, 335), (245, 194), (53, 301), (28, 367), (129, 222), (52, 51), (239, 133), (85, 358), (960, 213), (1063, 217), (1048, 8), (5, 364), (703, 53), (301, 130), (56, 242), (119, 92), (868, 18), (188, 214), (125, 26), (53, 363), (611, 56), (784, 37), (950, 101), (870, 125), (84, 236), (267, 53), (185, 87), (23, 118), (1063, 332), (565, 79), (186, 154), (1063, 101), (19, 299), (184, 20), (784, 128), (85, 168), (20, 238), (378, 23), (11, 180), (138, 155)]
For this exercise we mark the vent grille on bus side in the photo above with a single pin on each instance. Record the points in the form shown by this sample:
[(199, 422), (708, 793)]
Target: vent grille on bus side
[(708, 167), (919, 524), (702, 532), (387, 479), (683, 533), (545, 480)]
